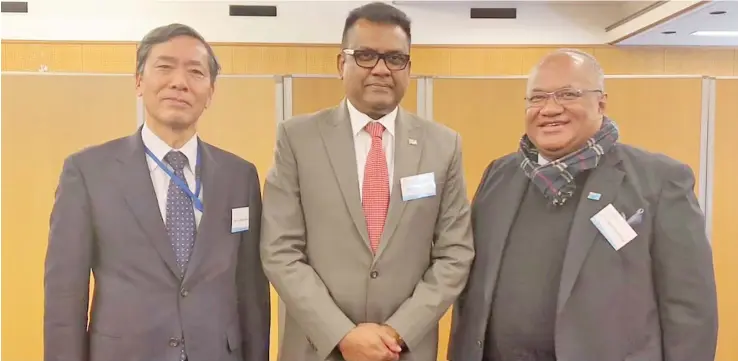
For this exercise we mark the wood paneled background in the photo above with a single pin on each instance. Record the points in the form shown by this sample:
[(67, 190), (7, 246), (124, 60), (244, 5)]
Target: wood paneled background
[(111, 57)]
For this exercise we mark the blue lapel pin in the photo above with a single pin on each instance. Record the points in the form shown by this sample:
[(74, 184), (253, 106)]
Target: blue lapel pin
[(594, 196)]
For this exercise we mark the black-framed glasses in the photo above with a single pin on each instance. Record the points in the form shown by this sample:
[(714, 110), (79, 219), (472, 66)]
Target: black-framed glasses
[(368, 59), (561, 96)]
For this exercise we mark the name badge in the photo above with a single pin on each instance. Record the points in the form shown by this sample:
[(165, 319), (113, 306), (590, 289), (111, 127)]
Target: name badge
[(418, 186), (239, 219), (614, 227)]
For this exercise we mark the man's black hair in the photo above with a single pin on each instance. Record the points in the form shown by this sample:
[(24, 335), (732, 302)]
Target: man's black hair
[(379, 13)]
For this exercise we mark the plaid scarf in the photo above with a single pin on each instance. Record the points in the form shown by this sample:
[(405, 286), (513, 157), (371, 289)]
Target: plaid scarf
[(556, 179)]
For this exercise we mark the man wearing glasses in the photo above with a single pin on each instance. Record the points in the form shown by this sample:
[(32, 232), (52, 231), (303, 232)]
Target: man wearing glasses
[(367, 234), (588, 249)]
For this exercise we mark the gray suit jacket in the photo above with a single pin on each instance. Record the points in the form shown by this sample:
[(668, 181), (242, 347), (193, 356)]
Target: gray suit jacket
[(652, 300), (315, 247), (106, 219)]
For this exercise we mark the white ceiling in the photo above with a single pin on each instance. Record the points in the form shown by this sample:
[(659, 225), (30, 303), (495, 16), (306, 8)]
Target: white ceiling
[(697, 19)]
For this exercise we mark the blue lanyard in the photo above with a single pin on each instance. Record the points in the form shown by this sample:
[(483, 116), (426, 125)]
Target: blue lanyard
[(181, 183)]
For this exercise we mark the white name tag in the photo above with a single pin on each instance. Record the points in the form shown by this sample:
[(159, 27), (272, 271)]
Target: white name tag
[(239, 219), (614, 227), (418, 186)]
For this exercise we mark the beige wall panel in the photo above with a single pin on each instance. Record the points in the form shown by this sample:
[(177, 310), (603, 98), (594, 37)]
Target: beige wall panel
[(705, 61), (319, 60), (243, 58), (242, 120), (488, 113), (312, 94), (57, 57), (631, 61), (268, 59), (533, 55), (224, 54), (476, 61), (724, 224), (44, 120), (109, 58), (3, 61), (430, 61), (660, 115)]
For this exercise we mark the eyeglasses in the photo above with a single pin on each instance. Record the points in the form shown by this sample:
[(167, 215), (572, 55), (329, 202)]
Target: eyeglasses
[(561, 96), (368, 59)]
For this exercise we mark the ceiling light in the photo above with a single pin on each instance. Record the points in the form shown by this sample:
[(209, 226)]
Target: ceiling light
[(716, 33)]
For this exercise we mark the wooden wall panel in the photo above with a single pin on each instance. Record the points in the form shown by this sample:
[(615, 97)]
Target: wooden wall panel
[(724, 208), (36, 137), (699, 61), (58, 57), (242, 120), (488, 113), (321, 59), (631, 61), (108, 58), (650, 116)]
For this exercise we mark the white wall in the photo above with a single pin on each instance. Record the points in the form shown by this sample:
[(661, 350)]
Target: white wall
[(686, 24), (307, 21)]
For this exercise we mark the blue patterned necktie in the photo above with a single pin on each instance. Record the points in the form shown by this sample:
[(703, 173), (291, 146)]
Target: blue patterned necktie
[(180, 217)]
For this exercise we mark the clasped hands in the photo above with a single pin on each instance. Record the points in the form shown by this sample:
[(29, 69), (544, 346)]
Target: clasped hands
[(371, 342)]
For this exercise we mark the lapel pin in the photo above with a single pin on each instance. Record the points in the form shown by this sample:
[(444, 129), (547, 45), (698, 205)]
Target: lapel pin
[(412, 141), (594, 196)]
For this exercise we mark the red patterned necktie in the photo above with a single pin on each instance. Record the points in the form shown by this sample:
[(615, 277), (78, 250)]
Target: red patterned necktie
[(375, 190)]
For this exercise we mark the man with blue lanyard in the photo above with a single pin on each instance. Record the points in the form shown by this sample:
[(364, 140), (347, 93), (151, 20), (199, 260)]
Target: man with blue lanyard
[(168, 225)]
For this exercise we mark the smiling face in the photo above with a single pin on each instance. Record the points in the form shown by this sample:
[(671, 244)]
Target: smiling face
[(375, 90), (176, 82), (562, 123)]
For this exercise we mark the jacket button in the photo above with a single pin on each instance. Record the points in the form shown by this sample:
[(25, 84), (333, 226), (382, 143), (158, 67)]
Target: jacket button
[(184, 292), (374, 274), (479, 343), (173, 342)]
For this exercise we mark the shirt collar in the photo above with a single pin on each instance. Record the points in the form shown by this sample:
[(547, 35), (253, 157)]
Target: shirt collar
[(161, 148), (542, 160), (359, 120)]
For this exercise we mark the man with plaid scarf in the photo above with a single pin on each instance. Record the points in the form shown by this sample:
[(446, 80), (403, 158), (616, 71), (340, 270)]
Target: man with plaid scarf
[(587, 249)]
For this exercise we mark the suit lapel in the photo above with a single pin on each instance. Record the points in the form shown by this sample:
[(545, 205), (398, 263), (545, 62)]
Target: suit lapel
[(407, 161), (500, 210), (135, 181), (605, 180), (215, 195), (339, 142)]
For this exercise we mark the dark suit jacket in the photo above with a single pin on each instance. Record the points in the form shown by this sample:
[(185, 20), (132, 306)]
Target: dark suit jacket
[(106, 219), (652, 300)]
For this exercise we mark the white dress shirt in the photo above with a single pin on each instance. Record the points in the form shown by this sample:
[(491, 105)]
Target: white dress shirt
[(160, 178), (363, 141)]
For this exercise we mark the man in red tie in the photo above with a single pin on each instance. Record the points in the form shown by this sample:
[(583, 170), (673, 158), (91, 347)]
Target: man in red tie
[(366, 225)]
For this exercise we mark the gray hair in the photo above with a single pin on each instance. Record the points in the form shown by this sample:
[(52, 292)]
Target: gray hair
[(579, 55), (165, 33)]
